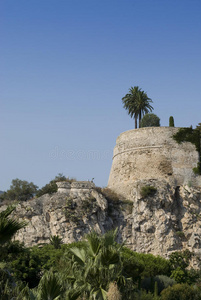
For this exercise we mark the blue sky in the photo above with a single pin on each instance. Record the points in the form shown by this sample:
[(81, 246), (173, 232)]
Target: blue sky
[(65, 66)]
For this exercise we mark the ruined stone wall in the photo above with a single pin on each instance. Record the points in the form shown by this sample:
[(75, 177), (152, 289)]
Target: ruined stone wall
[(151, 153)]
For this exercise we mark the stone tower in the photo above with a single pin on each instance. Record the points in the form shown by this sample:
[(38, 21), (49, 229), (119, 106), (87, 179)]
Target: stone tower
[(151, 154)]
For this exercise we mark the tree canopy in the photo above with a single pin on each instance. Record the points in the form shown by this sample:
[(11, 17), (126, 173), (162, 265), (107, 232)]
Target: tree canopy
[(150, 120), (137, 103)]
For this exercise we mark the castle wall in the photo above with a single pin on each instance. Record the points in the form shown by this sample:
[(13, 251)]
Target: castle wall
[(151, 153)]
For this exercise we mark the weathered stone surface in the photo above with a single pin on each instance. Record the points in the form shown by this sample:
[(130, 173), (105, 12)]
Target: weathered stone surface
[(167, 221), (151, 153)]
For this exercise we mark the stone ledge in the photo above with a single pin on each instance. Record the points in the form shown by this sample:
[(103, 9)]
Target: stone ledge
[(63, 185)]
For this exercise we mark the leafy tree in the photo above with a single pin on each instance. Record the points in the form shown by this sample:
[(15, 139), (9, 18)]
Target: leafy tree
[(51, 187), (150, 120), (20, 190), (137, 103), (171, 121)]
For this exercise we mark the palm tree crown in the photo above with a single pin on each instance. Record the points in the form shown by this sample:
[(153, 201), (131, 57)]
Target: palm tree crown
[(137, 103)]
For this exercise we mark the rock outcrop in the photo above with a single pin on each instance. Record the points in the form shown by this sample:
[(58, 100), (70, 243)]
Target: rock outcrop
[(160, 223), (166, 218)]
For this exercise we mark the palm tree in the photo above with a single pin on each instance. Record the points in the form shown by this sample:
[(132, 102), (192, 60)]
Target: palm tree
[(95, 265), (137, 103), (8, 226)]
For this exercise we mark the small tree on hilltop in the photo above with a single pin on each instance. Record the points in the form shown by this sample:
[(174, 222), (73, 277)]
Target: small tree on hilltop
[(150, 120), (137, 103), (171, 121)]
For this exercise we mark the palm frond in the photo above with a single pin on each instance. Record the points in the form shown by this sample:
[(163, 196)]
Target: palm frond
[(9, 226), (79, 255)]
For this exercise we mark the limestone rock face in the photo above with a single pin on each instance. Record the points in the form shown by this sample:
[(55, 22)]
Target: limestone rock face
[(73, 211), (169, 220), (166, 221), (151, 153)]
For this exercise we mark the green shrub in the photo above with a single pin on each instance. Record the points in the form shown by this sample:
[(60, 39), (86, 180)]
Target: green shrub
[(150, 120), (147, 190), (163, 282), (180, 292), (143, 295), (171, 121), (49, 188)]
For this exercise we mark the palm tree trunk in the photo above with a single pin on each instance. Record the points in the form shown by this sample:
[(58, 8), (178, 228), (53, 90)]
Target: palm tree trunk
[(140, 117), (135, 122)]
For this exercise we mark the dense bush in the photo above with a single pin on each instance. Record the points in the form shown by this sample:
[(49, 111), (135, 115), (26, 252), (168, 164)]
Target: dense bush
[(162, 283), (181, 292), (150, 120), (51, 187)]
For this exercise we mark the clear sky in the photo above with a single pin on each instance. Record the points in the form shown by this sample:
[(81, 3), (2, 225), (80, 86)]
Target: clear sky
[(65, 66)]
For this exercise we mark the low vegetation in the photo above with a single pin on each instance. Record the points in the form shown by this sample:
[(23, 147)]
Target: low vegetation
[(147, 190), (97, 268)]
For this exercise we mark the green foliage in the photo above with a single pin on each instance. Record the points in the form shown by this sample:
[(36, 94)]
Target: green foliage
[(193, 136), (150, 120), (179, 262), (137, 103), (26, 267), (197, 170), (171, 121), (50, 287), (147, 190), (180, 259), (96, 264), (86, 270), (56, 241), (51, 187), (20, 190), (143, 295), (163, 282), (8, 225), (180, 292)]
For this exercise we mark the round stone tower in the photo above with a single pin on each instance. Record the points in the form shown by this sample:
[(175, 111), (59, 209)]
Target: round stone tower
[(151, 153)]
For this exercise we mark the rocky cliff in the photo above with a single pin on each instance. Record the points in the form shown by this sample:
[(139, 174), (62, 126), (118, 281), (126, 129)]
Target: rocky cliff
[(166, 221)]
